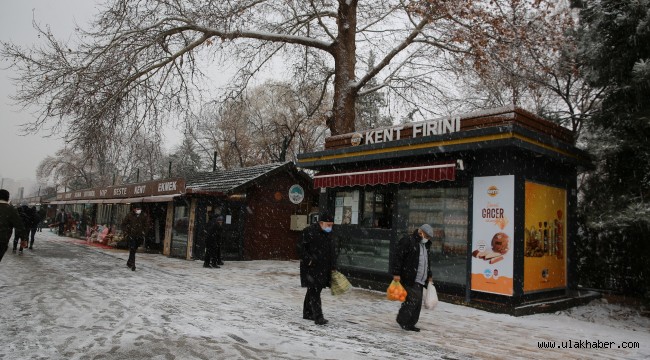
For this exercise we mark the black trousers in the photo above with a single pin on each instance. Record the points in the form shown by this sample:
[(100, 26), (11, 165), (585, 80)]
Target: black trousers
[(4, 245), (134, 243), (16, 240), (312, 308), (32, 233), (210, 255), (409, 312), (61, 229)]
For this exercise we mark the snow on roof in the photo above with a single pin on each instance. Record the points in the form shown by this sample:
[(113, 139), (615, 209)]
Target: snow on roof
[(225, 181)]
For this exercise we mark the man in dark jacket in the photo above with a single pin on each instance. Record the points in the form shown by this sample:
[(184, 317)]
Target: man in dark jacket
[(9, 220), (135, 227), (317, 261), (213, 243), (33, 226), (411, 268), (61, 219), (26, 218)]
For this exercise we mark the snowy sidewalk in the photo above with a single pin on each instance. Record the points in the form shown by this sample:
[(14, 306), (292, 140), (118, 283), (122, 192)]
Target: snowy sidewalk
[(68, 300)]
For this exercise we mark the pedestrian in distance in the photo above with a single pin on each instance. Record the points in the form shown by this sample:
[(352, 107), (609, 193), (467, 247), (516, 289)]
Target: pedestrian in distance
[(410, 267), (9, 221), (35, 220), (317, 261), (60, 219), (135, 227), (25, 216), (42, 214), (213, 243)]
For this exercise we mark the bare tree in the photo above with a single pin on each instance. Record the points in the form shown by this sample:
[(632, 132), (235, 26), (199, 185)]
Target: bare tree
[(140, 60), (272, 122), (532, 62)]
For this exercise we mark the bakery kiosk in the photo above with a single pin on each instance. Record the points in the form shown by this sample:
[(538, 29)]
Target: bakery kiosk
[(497, 186)]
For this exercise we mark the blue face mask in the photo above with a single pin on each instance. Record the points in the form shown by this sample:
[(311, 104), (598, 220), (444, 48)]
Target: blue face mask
[(328, 229)]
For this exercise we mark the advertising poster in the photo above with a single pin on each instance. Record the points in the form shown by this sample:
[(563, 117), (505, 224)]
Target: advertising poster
[(493, 234), (544, 238)]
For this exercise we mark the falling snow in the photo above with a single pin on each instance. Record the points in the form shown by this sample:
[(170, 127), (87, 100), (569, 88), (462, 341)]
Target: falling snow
[(69, 300)]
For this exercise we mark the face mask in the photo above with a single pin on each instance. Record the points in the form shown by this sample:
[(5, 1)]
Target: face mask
[(328, 229), (138, 212), (424, 240)]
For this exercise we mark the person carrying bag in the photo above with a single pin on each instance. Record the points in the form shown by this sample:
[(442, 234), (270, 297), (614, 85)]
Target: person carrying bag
[(339, 283), (430, 296)]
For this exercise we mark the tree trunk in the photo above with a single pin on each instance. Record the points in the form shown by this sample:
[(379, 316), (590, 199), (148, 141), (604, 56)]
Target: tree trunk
[(344, 65)]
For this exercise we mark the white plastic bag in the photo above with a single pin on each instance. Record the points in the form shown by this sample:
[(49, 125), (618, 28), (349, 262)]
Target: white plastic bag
[(430, 296)]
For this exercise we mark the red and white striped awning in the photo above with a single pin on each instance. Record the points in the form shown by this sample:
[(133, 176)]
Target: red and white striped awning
[(414, 174)]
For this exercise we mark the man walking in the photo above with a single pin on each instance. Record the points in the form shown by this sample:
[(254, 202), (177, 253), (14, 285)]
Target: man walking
[(61, 218), (317, 261), (9, 220), (213, 243), (411, 268), (135, 227)]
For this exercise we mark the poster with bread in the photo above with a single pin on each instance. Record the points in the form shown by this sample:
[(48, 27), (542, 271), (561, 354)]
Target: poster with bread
[(492, 234)]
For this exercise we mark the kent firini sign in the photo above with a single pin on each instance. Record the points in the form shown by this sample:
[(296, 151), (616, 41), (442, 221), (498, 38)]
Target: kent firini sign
[(419, 129)]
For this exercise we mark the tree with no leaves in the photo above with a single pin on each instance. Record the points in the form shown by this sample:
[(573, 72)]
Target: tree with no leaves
[(140, 61)]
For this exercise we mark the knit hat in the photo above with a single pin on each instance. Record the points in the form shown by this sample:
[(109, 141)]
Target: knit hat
[(325, 217), (427, 229), (219, 218)]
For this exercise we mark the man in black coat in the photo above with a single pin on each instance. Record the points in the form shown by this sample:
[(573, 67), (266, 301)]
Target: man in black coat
[(317, 261), (135, 227), (411, 268), (26, 218), (60, 219), (213, 243), (9, 220)]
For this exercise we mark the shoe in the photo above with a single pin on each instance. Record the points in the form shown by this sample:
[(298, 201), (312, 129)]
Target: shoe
[(307, 317), (207, 266), (219, 262), (216, 266), (321, 321), (13, 251), (20, 252), (133, 268), (410, 328), (31, 248)]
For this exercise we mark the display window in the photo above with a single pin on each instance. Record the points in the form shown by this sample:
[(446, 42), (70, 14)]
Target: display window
[(369, 212), (445, 209), (180, 228)]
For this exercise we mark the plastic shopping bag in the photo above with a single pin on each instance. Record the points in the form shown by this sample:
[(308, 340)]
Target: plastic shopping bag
[(339, 283), (430, 297), (396, 292)]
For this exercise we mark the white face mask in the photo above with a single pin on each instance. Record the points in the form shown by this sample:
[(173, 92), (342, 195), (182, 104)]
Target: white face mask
[(137, 212), (424, 241)]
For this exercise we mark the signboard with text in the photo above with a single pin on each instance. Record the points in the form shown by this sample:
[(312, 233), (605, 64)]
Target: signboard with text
[(493, 234)]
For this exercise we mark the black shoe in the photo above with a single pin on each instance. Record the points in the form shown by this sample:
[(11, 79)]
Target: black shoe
[(216, 266), (219, 262), (31, 248), (410, 328), (308, 317), (207, 266), (133, 268), (321, 321)]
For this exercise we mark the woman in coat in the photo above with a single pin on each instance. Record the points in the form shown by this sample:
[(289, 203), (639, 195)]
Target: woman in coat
[(317, 261)]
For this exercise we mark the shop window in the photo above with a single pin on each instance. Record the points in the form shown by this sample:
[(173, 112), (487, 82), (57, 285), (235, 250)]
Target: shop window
[(180, 228), (346, 207), (377, 209), (445, 209), (368, 208)]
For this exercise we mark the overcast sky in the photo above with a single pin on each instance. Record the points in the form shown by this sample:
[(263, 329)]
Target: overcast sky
[(20, 155)]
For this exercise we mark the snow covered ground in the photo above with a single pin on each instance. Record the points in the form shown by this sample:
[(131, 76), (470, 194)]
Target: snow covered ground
[(68, 300)]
